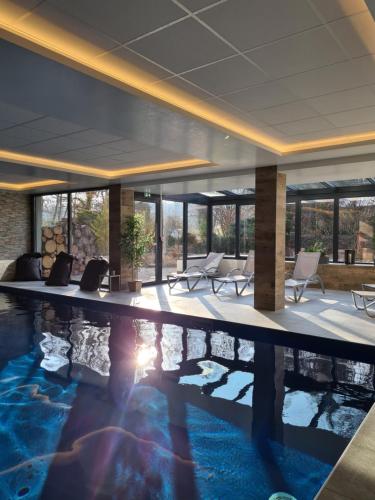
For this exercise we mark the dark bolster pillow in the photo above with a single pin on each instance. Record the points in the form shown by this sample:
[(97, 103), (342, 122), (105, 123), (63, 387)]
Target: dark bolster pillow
[(61, 270), (29, 267), (93, 275)]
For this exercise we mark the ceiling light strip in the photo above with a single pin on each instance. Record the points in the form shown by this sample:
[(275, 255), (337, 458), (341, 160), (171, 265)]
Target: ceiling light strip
[(42, 162), (22, 186)]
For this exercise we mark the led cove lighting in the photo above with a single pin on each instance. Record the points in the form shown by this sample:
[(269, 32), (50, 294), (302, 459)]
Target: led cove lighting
[(29, 185), (39, 161), (28, 29)]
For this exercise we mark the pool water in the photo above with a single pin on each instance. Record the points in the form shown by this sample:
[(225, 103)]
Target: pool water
[(101, 405)]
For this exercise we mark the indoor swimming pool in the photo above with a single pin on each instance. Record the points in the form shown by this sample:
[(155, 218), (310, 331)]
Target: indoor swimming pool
[(97, 403)]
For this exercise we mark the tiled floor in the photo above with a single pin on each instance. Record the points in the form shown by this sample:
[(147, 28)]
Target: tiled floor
[(331, 315)]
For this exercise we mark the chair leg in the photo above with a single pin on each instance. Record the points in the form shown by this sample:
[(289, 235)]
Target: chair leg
[(321, 283), (172, 284), (355, 302), (218, 288), (191, 288), (370, 314), (247, 283), (302, 291)]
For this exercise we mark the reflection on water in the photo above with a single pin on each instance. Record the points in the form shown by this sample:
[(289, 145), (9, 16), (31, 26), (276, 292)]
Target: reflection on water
[(97, 405)]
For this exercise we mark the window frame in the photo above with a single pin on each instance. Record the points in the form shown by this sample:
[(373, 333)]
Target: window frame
[(36, 217), (228, 198)]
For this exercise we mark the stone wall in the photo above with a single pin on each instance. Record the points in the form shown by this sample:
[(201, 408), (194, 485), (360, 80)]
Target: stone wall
[(15, 224)]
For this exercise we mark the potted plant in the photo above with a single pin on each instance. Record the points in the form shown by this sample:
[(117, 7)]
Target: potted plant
[(135, 243), (319, 247)]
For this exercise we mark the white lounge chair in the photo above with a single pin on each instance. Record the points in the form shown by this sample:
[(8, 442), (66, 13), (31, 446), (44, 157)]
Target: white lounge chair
[(208, 268), (244, 278), (367, 297), (368, 300), (305, 274)]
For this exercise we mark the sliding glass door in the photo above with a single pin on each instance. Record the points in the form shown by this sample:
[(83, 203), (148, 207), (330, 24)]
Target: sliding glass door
[(172, 236), (148, 209)]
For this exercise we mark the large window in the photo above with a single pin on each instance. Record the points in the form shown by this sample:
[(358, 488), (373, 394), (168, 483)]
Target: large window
[(224, 229), (85, 235), (290, 230), (356, 227), (317, 226), (52, 228), (197, 230), (172, 231), (89, 228), (247, 226), (148, 209)]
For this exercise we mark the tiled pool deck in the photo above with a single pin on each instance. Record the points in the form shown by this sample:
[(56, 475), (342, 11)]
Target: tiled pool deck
[(331, 315)]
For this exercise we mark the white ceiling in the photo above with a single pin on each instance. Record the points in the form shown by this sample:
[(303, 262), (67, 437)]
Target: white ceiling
[(29, 133), (273, 63), (296, 69), (266, 61)]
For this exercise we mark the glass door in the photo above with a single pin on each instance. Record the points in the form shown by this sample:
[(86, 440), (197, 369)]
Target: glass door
[(172, 215), (148, 272)]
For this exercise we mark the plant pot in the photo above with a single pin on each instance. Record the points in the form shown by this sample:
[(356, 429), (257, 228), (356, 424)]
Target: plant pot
[(324, 259), (135, 286)]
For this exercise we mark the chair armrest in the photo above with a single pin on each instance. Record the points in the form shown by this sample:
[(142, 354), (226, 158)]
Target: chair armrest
[(232, 271), (311, 277), (189, 268), (213, 269)]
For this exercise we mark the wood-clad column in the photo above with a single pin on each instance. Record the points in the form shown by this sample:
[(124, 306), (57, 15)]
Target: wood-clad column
[(121, 205), (270, 194)]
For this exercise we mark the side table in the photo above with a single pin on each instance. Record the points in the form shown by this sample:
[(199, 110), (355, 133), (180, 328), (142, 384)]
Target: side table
[(114, 282)]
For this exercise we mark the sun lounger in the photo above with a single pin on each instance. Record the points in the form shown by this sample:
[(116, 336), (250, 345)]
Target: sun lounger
[(305, 274), (193, 274), (237, 277), (363, 300)]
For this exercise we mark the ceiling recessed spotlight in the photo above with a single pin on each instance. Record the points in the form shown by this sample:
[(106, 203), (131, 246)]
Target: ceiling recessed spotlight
[(227, 137)]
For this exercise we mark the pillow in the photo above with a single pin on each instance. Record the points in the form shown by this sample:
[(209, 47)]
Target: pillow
[(61, 270), (93, 274), (29, 267)]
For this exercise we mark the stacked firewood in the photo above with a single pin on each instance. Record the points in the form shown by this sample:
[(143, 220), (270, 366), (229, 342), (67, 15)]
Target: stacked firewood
[(55, 240)]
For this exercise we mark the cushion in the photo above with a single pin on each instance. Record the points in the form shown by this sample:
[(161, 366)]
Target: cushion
[(61, 270), (29, 267), (93, 274)]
